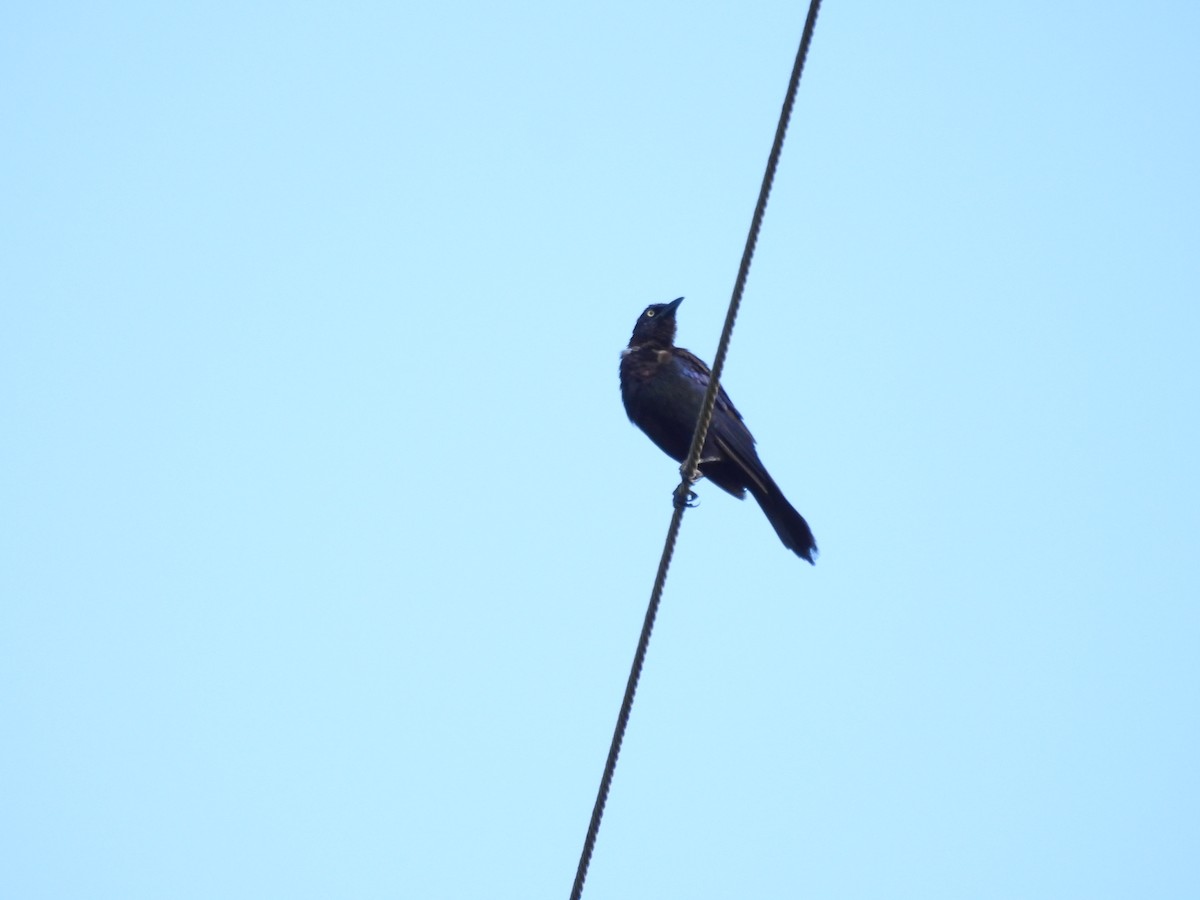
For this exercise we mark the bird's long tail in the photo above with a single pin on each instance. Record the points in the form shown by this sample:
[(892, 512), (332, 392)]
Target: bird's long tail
[(788, 524)]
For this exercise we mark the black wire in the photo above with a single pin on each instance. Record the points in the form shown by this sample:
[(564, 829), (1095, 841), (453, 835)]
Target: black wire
[(690, 468)]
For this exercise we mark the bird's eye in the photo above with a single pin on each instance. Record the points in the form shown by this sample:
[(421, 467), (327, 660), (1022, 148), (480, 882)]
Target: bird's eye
[(649, 314)]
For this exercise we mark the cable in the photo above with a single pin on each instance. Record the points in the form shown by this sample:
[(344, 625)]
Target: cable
[(690, 468)]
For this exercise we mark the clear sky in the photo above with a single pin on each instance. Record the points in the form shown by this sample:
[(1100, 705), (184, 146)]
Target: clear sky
[(326, 540)]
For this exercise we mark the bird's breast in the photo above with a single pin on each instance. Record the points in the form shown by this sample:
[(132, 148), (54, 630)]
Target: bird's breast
[(658, 400)]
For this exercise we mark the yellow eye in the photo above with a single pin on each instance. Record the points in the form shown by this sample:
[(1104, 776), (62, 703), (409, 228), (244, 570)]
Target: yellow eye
[(649, 314)]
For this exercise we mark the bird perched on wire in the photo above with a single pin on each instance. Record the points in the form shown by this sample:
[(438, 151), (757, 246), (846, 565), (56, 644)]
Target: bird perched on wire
[(663, 389)]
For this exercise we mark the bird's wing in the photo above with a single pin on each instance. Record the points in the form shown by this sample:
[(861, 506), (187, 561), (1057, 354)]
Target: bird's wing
[(737, 446), (695, 369), (727, 433)]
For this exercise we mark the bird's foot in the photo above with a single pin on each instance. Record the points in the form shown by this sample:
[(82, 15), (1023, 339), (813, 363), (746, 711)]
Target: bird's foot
[(686, 498)]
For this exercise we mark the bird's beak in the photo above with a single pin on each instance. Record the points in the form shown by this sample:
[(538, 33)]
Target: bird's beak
[(673, 305)]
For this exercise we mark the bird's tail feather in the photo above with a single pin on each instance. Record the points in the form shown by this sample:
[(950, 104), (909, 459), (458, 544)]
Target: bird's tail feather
[(788, 524)]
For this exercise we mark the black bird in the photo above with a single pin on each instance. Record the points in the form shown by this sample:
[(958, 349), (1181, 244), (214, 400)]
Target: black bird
[(663, 389)]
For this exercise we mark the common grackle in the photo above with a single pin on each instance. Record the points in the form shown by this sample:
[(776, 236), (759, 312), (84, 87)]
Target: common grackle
[(663, 389)]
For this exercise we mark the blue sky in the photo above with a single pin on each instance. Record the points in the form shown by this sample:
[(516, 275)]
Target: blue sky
[(327, 540)]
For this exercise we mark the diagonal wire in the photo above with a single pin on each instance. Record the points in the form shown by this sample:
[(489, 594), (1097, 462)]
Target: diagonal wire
[(690, 468)]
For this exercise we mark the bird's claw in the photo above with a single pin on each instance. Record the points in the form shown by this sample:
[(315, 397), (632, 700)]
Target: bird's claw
[(686, 498)]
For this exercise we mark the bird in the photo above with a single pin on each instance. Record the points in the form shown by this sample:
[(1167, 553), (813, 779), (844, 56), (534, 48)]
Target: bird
[(663, 387)]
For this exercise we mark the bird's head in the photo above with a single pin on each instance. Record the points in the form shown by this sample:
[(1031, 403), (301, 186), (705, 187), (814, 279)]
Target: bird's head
[(656, 324)]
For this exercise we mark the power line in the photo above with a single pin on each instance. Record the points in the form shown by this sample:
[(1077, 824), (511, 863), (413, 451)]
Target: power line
[(690, 469)]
